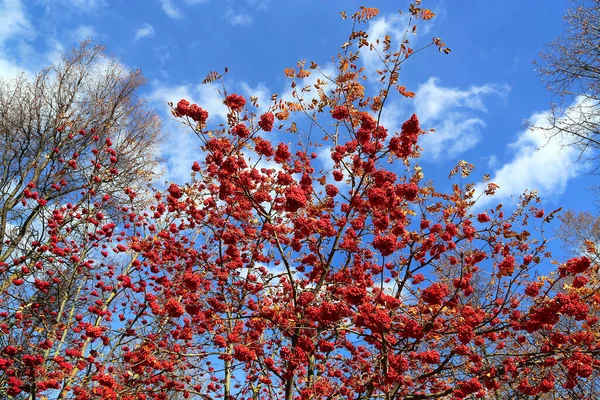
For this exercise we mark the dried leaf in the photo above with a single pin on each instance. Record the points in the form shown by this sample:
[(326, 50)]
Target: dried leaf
[(211, 77)]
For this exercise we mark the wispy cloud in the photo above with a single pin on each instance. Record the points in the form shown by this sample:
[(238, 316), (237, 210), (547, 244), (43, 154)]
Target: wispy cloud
[(9, 69), (539, 162), (238, 18), (87, 5), (260, 4), (15, 31), (452, 136), (145, 31), (54, 50), (78, 6), (395, 26), (83, 32), (433, 99), (453, 114), (398, 28), (13, 21), (170, 9)]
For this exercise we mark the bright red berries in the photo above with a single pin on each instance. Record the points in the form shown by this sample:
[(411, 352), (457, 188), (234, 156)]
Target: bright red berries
[(235, 102), (266, 122), (193, 111), (340, 112)]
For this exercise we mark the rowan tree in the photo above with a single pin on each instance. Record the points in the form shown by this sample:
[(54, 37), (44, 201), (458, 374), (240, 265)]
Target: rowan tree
[(77, 144), (277, 273)]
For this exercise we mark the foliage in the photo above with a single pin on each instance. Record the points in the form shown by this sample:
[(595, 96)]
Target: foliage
[(279, 273)]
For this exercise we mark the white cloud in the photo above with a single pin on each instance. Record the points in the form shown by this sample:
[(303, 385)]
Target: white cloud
[(54, 50), (260, 4), (8, 69), (13, 21), (238, 18), (145, 31), (432, 99), (86, 6), (17, 54), (492, 162), (324, 155), (453, 136), (395, 26), (170, 9), (394, 114), (164, 94), (181, 148), (398, 28), (16, 28), (211, 100), (540, 162), (180, 151), (85, 31), (451, 112)]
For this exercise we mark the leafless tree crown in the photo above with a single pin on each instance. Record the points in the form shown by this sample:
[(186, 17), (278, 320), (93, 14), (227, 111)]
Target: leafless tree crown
[(570, 67), (55, 131)]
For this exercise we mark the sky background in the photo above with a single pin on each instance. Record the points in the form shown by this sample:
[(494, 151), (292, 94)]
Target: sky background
[(476, 98)]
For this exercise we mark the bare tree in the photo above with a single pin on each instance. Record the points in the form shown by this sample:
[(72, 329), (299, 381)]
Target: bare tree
[(570, 67), (51, 128), (579, 233)]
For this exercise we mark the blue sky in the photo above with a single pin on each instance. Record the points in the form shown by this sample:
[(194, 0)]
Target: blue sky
[(476, 98)]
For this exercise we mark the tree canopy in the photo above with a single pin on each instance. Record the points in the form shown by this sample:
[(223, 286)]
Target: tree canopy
[(308, 257)]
